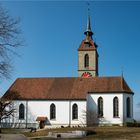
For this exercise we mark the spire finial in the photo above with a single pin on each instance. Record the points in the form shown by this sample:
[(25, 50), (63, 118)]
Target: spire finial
[(88, 31), (88, 22), (88, 4)]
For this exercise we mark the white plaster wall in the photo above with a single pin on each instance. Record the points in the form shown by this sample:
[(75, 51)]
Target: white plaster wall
[(63, 111), (92, 100), (42, 108), (82, 106), (14, 121)]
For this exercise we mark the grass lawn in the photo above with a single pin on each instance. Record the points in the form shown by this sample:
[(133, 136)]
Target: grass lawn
[(98, 133)]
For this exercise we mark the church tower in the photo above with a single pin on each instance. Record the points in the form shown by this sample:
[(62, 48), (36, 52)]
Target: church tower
[(88, 55)]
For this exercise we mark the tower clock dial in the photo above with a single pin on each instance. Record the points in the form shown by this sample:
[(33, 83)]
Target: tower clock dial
[(86, 74)]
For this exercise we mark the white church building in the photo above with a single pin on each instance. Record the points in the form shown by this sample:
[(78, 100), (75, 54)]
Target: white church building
[(72, 101)]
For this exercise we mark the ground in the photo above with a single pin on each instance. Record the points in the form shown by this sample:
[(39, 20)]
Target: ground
[(13, 134), (12, 137), (96, 133), (100, 133)]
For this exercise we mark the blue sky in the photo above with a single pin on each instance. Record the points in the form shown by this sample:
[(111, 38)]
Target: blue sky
[(54, 30)]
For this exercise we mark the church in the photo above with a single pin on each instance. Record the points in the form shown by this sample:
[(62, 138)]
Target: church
[(80, 101)]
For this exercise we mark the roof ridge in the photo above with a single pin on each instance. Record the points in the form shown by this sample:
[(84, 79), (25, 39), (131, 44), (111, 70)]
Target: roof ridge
[(67, 77)]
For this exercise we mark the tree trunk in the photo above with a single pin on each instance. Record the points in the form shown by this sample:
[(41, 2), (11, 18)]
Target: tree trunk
[(0, 127)]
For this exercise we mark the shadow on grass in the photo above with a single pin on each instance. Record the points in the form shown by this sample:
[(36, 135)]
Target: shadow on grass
[(90, 132)]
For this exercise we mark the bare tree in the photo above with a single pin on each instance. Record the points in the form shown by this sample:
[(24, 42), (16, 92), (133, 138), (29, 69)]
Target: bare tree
[(10, 39), (6, 110)]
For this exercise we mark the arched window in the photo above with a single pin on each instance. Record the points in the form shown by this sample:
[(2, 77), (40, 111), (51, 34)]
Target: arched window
[(100, 107), (21, 111), (128, 108), (86, 61), (52, 111), (74, 111), (115, 107)]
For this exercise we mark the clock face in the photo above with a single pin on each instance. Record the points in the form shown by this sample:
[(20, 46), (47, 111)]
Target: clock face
[(86, 75)]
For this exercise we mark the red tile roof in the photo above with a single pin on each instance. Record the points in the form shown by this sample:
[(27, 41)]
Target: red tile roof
[(64, 88), (85, 46), (40, 118)]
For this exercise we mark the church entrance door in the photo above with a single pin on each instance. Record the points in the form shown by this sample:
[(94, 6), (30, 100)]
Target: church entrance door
[(41, 120), (42, 124)]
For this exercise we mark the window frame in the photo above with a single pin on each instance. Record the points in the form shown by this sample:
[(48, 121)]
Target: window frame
[(128, 107), (86, 61), (52, 111), (21, 111), (74, 111), (116, 107), (100, 108)]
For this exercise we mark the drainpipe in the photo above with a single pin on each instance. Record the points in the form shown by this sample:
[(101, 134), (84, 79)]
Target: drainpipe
[(69, 113), (123, 109), (26, 113)]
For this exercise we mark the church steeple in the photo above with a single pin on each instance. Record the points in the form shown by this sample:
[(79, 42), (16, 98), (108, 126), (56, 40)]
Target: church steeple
[(88, 55)]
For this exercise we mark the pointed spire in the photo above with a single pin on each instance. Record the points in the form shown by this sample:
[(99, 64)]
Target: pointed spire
[(88, 25), (88, 31)]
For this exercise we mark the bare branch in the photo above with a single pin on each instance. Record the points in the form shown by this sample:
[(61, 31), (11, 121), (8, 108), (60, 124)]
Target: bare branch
[(6, 110), (5, 69), (9, 40)]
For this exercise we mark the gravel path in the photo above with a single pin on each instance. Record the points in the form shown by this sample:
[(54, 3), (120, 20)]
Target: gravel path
[(12, 137)]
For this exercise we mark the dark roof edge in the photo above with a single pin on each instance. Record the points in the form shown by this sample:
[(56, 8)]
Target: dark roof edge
[(115, 76), (125, 86), (84, 99), (106, 92)]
